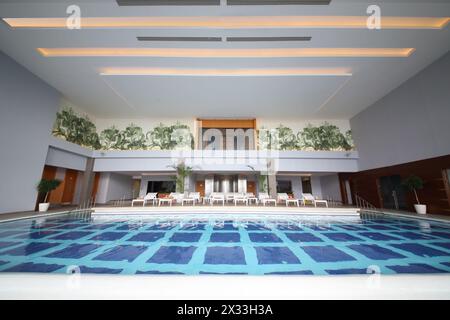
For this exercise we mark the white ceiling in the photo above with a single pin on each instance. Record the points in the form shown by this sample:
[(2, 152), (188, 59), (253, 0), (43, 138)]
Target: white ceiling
[(173, 96)]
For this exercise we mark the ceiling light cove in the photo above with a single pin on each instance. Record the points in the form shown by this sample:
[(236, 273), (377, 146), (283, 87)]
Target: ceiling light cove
[(168, 2), (277, 2), (217, 2), (235, 22), (180, 39), (266, 39), (119, 71), (229, 53)]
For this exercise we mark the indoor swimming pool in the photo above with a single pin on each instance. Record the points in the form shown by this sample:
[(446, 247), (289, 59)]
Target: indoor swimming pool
[(203, 244)]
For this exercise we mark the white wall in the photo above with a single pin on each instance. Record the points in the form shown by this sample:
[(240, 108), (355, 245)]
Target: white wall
[(67, 154), (411, 123), (190, 183), (68, 104), (316, 187), (288, 161), (114, 186), (209, 184), (330, 187), (27, 111), (242, 183), (65, 159)]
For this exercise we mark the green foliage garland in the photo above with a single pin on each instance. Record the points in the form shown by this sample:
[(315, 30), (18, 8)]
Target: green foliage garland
[(326, 137), (77, 129)]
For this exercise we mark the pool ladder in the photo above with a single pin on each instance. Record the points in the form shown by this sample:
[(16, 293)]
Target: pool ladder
[(366, 205), (84, 210), (120, 202)]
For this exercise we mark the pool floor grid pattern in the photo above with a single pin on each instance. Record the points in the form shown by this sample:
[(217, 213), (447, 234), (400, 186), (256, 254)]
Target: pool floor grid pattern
[(342, 251)]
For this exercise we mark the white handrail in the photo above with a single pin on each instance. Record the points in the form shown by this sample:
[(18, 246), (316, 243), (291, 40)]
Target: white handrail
[(365, 205)]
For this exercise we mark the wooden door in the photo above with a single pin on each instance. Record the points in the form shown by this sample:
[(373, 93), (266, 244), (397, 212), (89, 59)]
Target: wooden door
[(70, 182), (95, 187), (251, 187), (200, 187)]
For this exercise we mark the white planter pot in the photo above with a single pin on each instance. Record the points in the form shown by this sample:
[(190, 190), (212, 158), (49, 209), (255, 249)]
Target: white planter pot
[(43, 207), (420, 208)]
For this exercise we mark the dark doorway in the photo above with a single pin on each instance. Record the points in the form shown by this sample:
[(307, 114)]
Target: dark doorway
[(161, 186), (306, 185), (284, 186), (392, 192)]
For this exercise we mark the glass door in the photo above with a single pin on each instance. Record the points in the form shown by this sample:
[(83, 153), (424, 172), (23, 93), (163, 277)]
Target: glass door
[(392, 192)]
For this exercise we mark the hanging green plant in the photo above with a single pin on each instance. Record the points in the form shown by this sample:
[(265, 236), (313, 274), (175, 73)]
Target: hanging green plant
[(111, 139), (325, 137), (159, 137), (133, 138), (76, 129), (285, 139), (181, 137), (171, 137)]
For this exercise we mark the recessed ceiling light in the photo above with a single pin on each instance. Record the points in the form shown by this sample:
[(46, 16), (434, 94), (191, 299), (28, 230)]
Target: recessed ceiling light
[(227, 53), (235, 22), (122, 71), (180, 39), (168, 2), (277, 2)]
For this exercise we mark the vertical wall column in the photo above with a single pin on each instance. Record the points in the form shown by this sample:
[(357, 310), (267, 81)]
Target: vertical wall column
[(242, 184), (88, 182), (272, 180)]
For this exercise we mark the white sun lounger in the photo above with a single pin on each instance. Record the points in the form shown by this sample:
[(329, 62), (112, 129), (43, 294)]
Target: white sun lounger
[(240, 198), (217, 197), (284, 197), (310, 197), (151, 196), (264, 199)]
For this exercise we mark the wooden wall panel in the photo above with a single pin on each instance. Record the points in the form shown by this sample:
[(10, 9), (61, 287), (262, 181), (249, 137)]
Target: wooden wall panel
[(49, 173), (435, 193), (95, 187), (228, 123)]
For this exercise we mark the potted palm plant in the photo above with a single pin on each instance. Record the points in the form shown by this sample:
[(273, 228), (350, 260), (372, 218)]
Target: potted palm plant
[(414, 183), (45, 187), (183, 171)]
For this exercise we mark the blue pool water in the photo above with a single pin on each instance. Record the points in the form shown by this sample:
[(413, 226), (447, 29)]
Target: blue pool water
[(214, 245)]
